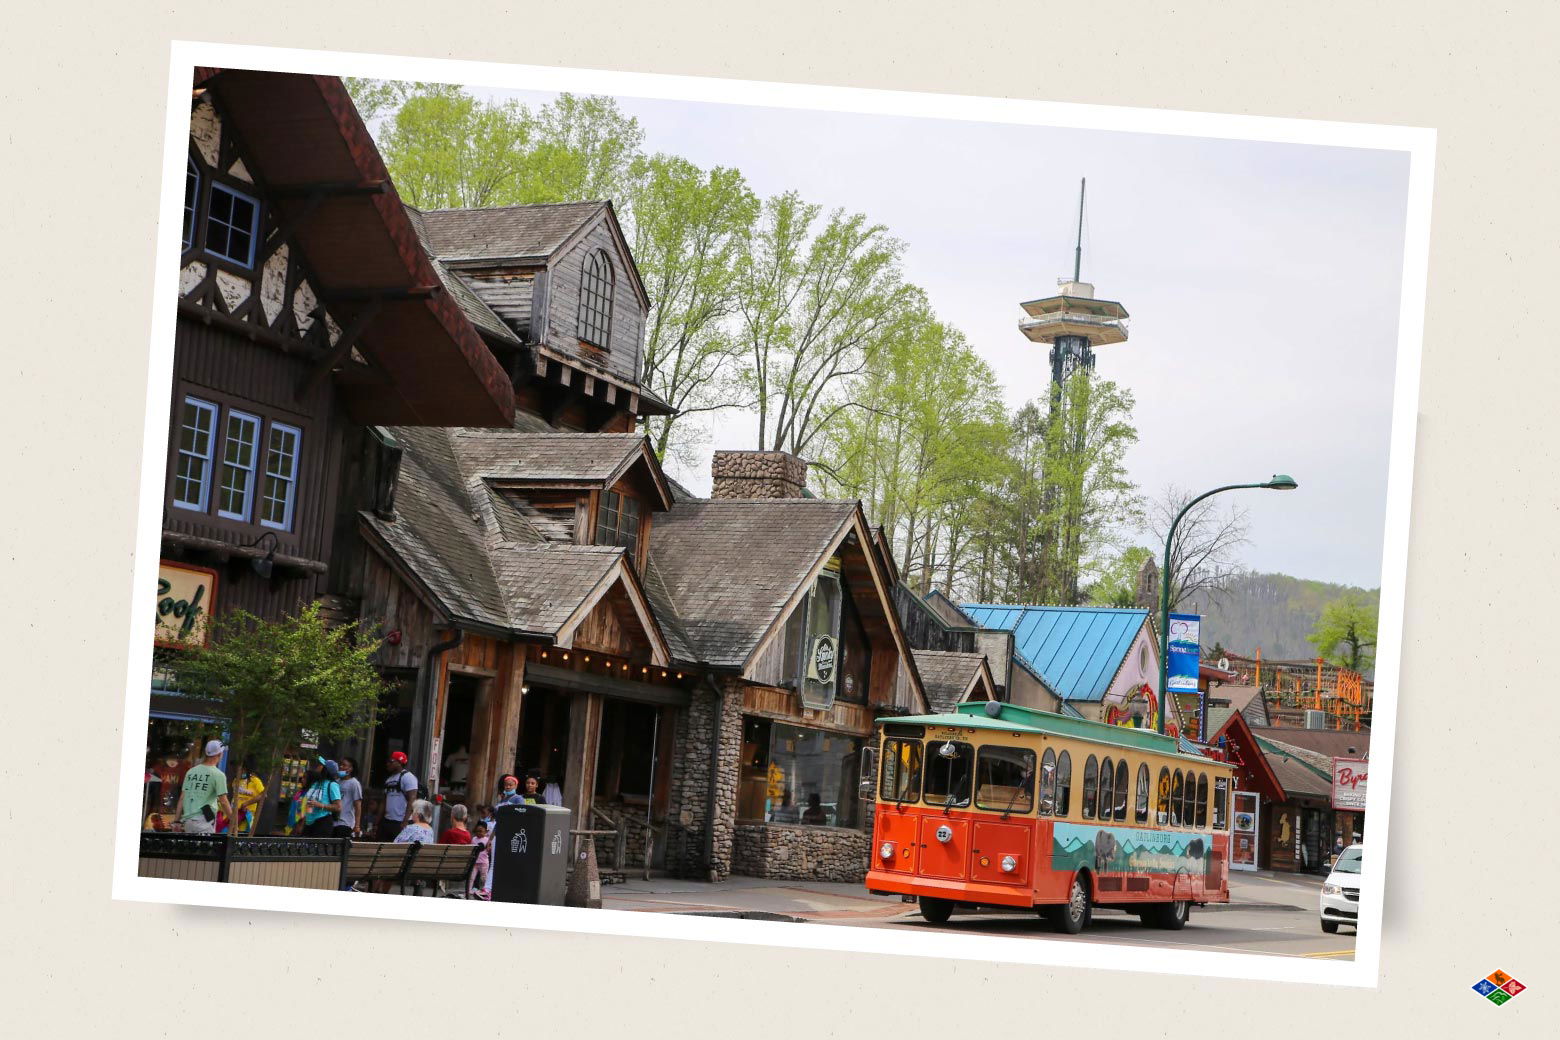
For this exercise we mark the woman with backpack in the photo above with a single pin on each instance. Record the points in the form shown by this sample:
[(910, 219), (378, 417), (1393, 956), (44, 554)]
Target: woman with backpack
[(322, 802)]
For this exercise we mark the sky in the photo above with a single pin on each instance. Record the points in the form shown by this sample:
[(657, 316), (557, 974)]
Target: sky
[(1262, 282)]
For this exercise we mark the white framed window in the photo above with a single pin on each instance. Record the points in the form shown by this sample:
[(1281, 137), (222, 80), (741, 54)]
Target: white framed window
[(232, 223), (240, 449), (191, 195), (280, 492), (192, 474)]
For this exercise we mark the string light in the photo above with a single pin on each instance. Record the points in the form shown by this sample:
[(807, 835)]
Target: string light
[(565, 657)]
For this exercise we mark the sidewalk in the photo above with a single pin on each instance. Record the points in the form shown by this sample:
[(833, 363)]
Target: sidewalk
[(765, 899)]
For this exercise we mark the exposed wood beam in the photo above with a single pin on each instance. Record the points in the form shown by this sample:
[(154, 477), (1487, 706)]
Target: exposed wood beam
[(412, 292), (324, 188), (349, 337)]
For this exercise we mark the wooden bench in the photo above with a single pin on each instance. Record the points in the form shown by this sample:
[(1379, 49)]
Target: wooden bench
[(409, 866)]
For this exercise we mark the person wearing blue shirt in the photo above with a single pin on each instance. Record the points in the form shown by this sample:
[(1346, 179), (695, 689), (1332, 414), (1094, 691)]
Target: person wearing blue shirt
[(322, 802)]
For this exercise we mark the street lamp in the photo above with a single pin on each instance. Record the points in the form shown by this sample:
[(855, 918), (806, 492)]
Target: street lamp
[(1280, 482)]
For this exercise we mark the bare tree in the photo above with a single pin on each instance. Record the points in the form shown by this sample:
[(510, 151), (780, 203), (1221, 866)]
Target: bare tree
[(1202, 560)]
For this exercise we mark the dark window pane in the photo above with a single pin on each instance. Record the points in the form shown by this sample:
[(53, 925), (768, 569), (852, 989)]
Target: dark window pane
[(1063, 783), (948, 768), (1048, 783), (901, 771), (1005, 779)]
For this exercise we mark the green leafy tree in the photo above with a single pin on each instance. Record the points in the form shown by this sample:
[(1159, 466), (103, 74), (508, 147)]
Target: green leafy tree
[(687, 227), (815, 304), (274, 679), (926, 436), (1117, 582), (1345, 634)]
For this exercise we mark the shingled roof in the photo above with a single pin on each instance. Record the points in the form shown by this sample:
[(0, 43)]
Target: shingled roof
[(506, 232), (510, 455), (471, 303), (947, 675), (727, 567), (477, 558), (1301, 772), (1247, 700)]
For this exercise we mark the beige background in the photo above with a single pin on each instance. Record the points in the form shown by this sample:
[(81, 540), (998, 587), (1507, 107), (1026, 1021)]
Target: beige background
[(1473, 834)]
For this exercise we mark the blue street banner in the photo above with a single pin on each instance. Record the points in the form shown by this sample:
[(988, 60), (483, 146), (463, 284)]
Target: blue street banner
[(1185, 652)]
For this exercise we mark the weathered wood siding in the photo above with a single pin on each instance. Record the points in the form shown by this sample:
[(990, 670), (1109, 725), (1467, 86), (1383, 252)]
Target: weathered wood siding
[(563, 296)]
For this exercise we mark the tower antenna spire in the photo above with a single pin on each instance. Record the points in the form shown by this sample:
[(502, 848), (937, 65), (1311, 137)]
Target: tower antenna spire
[(1083, 183)]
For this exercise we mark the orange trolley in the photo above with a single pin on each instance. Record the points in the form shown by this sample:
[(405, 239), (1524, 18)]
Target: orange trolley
[(995, 805)]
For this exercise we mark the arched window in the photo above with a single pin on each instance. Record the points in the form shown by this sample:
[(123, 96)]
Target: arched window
[(1091, 786), (1063, 783), (1189, 800), (1163, 799), (595, 319), (1140, 811), (1121, 789), (1202, 799), (1177, 798), (1048, 783), (1107, 789)]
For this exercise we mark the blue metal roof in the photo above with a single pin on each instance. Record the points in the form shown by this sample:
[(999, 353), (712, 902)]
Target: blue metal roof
[(1076, 650)]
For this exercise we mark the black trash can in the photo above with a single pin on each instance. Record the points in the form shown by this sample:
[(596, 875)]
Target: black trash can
[(530, 854)]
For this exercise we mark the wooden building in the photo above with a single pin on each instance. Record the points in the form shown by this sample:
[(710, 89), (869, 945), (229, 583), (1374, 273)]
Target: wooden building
[(308, 315)]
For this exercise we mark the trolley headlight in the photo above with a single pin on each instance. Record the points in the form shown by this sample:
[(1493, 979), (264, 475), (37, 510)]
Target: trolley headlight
[(886, 850), (944, 834), (1009, 864)]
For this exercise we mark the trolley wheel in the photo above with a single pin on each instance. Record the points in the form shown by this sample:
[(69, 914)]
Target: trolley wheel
[(1330, 927), (1073, 915), (1170, 916), (936, 911)]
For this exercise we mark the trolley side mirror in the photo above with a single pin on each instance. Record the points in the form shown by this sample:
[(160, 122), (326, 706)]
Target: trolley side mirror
[(867, 782)]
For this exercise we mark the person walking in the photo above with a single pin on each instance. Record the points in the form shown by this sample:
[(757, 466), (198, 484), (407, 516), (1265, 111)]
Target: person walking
[(400, 792), (248, 795), (351, 800), (322, 802), (203, 791)]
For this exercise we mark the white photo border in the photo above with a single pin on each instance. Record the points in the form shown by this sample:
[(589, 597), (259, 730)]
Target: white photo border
[(1417, 143)]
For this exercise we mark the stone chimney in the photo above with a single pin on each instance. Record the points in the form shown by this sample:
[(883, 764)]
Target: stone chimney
[(757, 474)]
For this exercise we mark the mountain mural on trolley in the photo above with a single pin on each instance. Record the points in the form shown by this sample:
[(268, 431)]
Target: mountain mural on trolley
[(1128, 849)]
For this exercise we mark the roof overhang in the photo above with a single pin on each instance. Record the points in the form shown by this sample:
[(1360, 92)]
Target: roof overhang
[(328, 185)]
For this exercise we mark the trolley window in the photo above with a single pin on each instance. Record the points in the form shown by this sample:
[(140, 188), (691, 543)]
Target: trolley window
[(1107, 788), (1091, 786), (1063, 783), (1005, 779), (901, 771), (1140, 811), (1202, 799), (1121, 789), (1163, 802), (950, 765), (1177, 798), (1048, 783), (1221, 787)]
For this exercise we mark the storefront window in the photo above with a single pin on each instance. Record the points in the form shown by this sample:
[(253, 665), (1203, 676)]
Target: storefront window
[(795, 775), (173, 745), (948, 770), (1005, 779), (901, 771)]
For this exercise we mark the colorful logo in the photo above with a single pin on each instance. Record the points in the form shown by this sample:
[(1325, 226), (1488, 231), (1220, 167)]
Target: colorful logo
[(1497, 987)]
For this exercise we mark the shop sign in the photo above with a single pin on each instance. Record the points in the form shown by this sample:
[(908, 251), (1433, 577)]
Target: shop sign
[(185, 598), (1185, 652), (1348, 783), (825, 654)]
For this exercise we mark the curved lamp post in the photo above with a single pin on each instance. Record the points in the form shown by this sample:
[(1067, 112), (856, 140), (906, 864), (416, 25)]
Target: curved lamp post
[(1280, 482)]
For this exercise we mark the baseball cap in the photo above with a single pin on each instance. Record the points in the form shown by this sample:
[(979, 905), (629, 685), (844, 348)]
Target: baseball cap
[(398, 756), (213, 747), (331, 768)]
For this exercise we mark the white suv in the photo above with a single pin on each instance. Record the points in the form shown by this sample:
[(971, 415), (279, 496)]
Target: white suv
[(1341, 892)]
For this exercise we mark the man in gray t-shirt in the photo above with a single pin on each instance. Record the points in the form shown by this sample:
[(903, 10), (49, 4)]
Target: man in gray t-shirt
[(400, 792), (351, 795)]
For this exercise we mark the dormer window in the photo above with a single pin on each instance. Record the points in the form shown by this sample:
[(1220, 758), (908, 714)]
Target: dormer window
[(617, 522), (595, 315), (232, 223)]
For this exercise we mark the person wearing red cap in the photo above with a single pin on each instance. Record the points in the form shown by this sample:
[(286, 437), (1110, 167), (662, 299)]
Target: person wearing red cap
[(400, 792)]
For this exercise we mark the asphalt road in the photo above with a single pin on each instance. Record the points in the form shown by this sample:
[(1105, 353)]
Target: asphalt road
[(1285, 923)]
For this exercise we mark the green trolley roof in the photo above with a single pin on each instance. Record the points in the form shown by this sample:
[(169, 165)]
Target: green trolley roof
[(1013, 718)]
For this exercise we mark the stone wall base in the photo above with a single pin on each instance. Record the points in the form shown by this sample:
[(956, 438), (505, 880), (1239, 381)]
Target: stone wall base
[(800, 853)]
